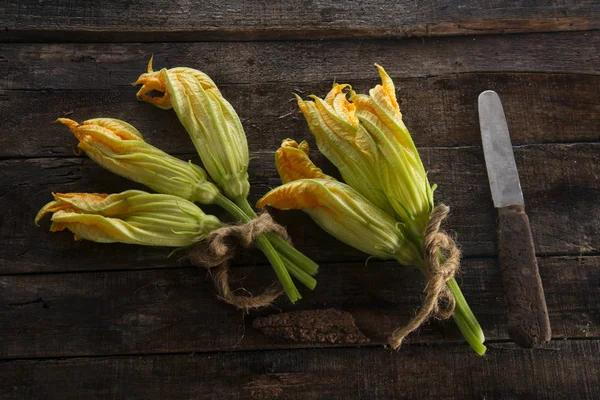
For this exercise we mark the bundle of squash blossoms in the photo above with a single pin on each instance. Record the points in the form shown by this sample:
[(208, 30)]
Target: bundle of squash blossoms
[(385, 208), (171, 217)]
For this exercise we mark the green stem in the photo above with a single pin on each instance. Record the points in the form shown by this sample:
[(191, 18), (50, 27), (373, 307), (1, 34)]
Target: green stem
[(280, 270), (300, 266), (286, 249), (463, 316), (299, 274), (280, 267), (232, 208), (465, 320), (293, 254)]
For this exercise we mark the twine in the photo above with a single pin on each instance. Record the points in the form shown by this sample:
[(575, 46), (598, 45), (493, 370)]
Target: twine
[(439, 301), (220, 248)]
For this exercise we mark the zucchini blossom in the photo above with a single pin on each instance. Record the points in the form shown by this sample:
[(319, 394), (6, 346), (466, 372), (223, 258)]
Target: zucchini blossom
[(386, 205), (335, 126), (120, 148), (403, 177), (220, 140), (210, 120), (132, 216)]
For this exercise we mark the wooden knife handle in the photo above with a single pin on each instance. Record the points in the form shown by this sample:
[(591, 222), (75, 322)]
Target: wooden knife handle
[(528, 323)]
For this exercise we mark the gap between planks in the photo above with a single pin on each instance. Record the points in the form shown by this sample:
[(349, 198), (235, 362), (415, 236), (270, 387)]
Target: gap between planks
[(491, 344)]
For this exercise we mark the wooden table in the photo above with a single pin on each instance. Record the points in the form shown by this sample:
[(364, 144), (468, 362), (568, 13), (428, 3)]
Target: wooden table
[(80, 320)]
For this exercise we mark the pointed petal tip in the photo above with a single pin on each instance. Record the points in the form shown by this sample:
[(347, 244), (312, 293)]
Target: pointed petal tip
[(68, 122), (150, 63), (262, 203), (300, 101), (43, 211)]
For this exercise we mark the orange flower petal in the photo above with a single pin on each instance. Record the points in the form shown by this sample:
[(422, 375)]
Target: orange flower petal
[(152, 81), (388, 86), (119, 128), (296, 195), (293, 163)]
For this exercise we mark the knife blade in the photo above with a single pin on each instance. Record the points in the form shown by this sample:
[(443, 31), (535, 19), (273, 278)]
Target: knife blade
[(528, 322)]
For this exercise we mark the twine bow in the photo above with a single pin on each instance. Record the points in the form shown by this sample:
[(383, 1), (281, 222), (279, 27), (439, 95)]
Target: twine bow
[(442, 261), (220, 247)]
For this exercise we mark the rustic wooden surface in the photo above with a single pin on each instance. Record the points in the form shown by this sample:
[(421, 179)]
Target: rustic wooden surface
[(184, 20), (82, 320)]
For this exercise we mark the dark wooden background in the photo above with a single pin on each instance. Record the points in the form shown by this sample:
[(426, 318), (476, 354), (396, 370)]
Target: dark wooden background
[(84, 320)]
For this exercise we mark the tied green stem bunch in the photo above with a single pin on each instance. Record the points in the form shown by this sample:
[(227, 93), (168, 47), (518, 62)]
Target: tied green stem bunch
[(219, 138), (386, 203)]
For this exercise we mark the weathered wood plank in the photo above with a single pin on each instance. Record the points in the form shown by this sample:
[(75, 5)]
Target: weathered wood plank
[(104, 66), (562, 370), (560, 184), (180, 20), (439, 111), (175, 310)]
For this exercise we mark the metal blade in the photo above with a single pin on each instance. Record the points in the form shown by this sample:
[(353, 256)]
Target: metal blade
[(498, 151)]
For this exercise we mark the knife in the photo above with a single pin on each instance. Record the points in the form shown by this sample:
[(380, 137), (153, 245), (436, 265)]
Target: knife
[(528, 323)]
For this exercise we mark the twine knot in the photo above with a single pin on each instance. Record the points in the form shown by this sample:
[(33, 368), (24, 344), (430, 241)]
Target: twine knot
[(220, 247), (442, 261)]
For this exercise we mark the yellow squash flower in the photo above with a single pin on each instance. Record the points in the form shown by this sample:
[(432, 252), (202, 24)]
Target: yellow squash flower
[(120, 148), (336, 207), (345, 143), (132, 216), (346, 214), (404, 180), (219, 138), (210, 120), (393, 228)]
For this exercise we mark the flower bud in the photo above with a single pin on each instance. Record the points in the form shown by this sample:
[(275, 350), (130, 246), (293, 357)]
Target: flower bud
[(120, 148), (132, 216), (345, 214), (404, 179), (345, 143), (209, 119)]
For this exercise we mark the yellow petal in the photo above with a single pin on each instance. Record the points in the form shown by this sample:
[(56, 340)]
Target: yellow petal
[(293, 163), (304, 147), (338, 101), (121, 129), (81, 200), (333, 120), (388, 86), (69, 202), (103, 204), (205, 81), (296, 195), (51, 207), (363, 102), (153, 81), (132, 216), (110, 133)]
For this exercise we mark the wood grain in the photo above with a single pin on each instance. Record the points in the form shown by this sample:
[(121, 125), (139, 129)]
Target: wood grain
[(82, 320), (535, 103), (103, 66), (566, 369), (551, 93), (175, 310), (560, 184), (181, 20)]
